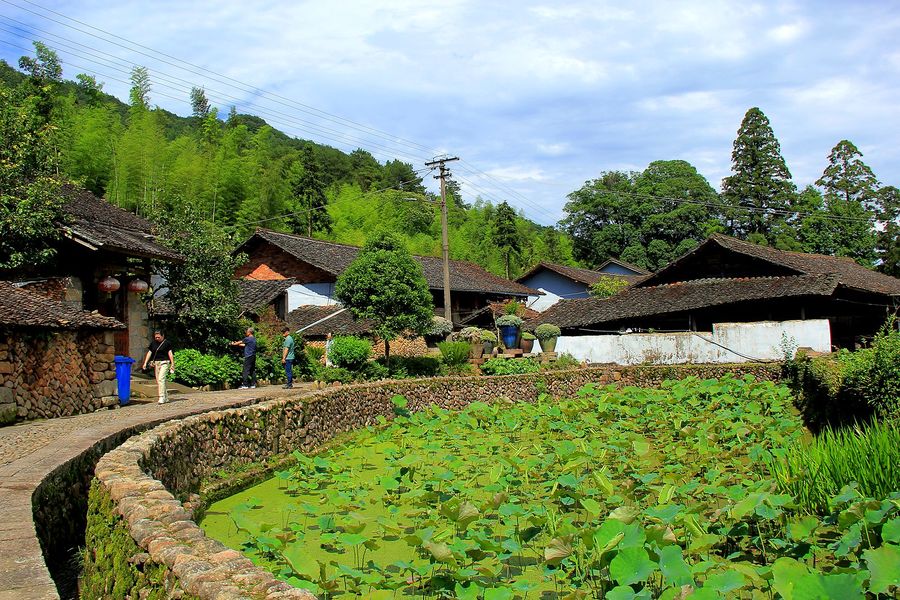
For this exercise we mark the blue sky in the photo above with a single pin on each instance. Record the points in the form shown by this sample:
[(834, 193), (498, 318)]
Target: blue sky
[(536, 98)]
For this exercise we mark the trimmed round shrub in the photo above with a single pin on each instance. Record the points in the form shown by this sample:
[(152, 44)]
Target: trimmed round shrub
[(440, 327), (509, 320), (332, 374), (349, 352), (545, 331)]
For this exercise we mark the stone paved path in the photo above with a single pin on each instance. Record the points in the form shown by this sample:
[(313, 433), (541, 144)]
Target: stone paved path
[(28, 452)]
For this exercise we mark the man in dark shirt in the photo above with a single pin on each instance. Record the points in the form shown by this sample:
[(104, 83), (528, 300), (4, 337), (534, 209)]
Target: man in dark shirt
[(248, 377), (160, 352)]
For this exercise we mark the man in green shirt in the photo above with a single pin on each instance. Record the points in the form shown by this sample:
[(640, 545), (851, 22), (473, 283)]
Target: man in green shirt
[(287, 357)]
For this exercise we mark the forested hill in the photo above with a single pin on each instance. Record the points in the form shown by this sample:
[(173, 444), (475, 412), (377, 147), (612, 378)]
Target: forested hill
[(240, 173)]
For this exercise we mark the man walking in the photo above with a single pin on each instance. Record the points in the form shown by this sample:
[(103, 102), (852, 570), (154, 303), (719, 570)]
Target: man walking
[(248, 377), (287, 357), (160, 352)]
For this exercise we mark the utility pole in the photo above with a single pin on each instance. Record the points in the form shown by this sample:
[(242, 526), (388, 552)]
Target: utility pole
[(443, 173)]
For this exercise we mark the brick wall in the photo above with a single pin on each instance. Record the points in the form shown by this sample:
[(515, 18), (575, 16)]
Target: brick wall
[(269, 262), (45, 375)]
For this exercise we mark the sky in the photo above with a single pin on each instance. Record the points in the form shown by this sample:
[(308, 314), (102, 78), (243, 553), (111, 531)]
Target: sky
[(534, 98)]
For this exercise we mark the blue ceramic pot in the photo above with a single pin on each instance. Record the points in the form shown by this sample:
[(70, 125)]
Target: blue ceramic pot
[(510, 335)]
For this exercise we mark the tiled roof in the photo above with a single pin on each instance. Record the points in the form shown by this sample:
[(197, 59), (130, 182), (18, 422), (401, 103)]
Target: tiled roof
[(618, 261), (253, 293), (334, 258), (97, 224), (848, 272), (340, 324), (678, 297), (22, 308), (496, 309), (585, 276)]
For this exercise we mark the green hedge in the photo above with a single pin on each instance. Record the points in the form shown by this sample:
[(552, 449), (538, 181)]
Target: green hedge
[(507, 366)]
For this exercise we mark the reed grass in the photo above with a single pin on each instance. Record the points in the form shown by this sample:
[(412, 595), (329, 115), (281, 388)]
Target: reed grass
[(814, 472)]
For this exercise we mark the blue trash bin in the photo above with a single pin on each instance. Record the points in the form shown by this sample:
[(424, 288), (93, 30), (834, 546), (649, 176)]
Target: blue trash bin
[(123, 378)]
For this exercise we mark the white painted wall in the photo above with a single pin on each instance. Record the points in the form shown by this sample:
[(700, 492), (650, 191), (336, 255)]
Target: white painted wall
[(724, 344), (542, 303), (315, 294)]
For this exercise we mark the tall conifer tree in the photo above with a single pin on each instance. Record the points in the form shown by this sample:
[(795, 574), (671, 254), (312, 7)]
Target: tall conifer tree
[(505, 233), (311, 213), (760, 188)]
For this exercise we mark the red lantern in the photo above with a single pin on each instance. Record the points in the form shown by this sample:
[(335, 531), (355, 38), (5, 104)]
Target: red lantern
[(108, 284), (138, 286)]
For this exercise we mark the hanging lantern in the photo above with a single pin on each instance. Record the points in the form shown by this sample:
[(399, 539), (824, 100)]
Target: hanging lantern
[(138, 286), (108, 284)]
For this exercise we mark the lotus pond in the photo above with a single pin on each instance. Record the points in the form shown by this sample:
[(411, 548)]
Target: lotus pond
[(616, 493)]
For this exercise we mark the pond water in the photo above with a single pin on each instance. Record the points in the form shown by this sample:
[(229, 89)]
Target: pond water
[(518, 501)]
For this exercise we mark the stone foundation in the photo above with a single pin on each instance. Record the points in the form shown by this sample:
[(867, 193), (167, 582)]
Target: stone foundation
[(139, 486), (54, 374)]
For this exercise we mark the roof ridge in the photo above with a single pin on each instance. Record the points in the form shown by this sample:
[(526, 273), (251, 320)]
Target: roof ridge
[(780, 251)]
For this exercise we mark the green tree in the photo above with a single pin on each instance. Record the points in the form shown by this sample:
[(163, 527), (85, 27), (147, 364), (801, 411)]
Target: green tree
[(30, 205), (366, 170), (505, 234), (139, 95), (386, 285), (200, 289), (90, 90), (850, 194), (760, 190), (607, 286), (646, 218), (889, 237), (199, 103), (310, 203), (399, 175)]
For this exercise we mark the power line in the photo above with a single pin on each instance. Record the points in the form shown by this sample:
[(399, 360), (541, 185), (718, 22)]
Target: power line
[(247, 88)]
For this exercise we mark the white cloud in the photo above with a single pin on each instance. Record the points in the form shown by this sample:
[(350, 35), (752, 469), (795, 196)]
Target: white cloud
[(788, 32)]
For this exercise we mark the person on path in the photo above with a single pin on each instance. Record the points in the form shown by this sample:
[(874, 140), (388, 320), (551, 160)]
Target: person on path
[(287, 357), (160, 353), (328, 342), (248, 377)]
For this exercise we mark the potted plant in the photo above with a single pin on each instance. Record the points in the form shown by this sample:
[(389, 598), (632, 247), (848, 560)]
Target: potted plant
[(440, 328), (509, 329), (527, 343), (473, 336), (547, 334), (488, 340)]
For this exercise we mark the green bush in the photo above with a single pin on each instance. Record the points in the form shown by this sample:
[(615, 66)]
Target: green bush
[(488, 336), (454, 354), (194, 369), (565, 361), (815, 472), (848, 387), (414, 366), (315, 353), (873, 375), (374, 370), (509, 366), (332, 374), (349, 352)]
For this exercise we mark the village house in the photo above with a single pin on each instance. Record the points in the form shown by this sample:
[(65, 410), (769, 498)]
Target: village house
[(103, 264), (836, 301), (314, 266), (55, 359), (562, 281)]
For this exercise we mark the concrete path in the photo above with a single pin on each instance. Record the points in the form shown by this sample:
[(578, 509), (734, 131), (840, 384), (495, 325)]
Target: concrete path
[(30, 451)]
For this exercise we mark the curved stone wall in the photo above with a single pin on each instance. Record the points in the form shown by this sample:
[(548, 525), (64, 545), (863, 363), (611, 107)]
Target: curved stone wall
[(139, 531)]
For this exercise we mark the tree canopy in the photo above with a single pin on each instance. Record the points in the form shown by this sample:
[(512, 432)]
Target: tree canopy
[(385, 285)]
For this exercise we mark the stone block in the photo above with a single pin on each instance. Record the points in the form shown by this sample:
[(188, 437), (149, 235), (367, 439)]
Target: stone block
[(105, 388), (8, 412), (109, 401), (6, 368)]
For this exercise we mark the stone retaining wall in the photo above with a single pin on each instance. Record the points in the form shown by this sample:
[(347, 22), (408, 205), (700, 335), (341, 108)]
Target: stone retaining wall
[(141, 481), (55, 374)]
